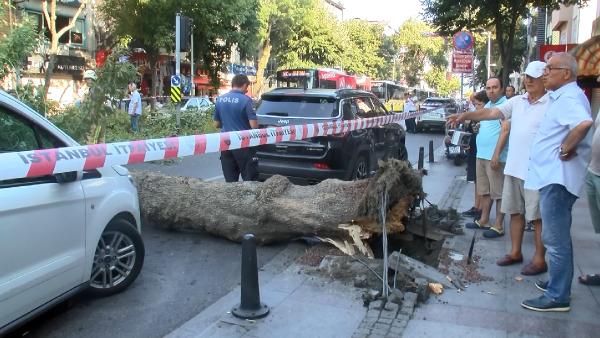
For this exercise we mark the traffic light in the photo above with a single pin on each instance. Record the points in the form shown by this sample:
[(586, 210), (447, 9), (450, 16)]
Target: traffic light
[(185, 27)]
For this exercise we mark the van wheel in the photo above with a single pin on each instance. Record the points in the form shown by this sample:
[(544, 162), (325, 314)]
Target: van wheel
[(361, 168), (118, 259)]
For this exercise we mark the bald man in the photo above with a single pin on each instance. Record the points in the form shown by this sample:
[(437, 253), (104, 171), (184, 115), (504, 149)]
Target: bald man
[(557, 167)]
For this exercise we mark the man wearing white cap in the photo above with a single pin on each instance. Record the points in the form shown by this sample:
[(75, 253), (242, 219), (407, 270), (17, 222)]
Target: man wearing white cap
[(525, 113)]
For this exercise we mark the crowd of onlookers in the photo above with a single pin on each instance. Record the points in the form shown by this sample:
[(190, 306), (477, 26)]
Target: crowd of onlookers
[(531, 155)]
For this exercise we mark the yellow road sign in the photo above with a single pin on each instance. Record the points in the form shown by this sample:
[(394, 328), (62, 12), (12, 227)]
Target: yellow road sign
[(175, 94)]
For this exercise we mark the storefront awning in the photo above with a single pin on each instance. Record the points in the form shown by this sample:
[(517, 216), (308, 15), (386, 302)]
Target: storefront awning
[(588, 57)]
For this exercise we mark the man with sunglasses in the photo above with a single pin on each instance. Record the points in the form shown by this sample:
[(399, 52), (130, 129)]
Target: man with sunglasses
[(557, 168), (525, 113)]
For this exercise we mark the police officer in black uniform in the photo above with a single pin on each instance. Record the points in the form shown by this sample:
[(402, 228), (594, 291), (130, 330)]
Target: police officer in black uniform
[(234, 112)]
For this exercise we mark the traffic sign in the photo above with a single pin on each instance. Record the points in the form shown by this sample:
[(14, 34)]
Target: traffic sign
[(462, 62), (175, 94), (175, 80), (463, 41)]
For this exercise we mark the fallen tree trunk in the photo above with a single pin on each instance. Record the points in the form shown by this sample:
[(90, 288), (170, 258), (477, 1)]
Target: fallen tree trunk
[(276, 210)]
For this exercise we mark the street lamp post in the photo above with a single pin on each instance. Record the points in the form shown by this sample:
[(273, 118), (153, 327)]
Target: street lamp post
[(489, 50)]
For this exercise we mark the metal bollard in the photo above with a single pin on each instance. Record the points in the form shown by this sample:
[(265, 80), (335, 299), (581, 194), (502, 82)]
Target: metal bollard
[(250, 306), (431, 160), (421, 157)]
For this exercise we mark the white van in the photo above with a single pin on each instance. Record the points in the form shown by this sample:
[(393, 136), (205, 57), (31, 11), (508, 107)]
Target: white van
[(63, 233)]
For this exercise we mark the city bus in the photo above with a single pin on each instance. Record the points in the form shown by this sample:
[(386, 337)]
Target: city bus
[(390, 94), (316, 78)]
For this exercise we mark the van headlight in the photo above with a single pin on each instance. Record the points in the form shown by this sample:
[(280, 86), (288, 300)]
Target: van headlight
[(122, 171)]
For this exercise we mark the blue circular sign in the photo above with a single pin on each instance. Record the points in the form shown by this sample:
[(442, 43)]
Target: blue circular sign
[(463, 40)]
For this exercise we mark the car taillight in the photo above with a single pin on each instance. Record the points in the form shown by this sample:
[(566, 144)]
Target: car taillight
[(341, 135), (321, 165)]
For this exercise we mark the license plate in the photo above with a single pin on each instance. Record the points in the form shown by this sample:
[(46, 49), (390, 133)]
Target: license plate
[(454, 150)]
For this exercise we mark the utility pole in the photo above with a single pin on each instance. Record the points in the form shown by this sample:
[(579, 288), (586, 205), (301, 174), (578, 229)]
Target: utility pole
[(489, 51), (193, 90), (178, 65)]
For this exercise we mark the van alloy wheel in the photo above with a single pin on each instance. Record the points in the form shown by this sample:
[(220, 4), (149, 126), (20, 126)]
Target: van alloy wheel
[(113, 261), (118, 259)]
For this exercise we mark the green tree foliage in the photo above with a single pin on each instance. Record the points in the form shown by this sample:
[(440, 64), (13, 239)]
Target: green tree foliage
[(218, 26), (418, 44), (362, 52), (111, 85), (503, 17), (316, 40), (18, 41), (387, 52), (436, 79), (278, 20)]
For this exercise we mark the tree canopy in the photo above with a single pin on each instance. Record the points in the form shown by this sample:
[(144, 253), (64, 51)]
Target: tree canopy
[(418, 45), (501, 17), (218, 26)]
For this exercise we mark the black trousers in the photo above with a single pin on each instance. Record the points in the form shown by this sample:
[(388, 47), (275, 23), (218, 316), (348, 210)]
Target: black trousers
[(239, 162), (411, 125)]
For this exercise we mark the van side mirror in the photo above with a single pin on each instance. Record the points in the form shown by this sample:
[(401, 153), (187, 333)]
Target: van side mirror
[(67, 177)]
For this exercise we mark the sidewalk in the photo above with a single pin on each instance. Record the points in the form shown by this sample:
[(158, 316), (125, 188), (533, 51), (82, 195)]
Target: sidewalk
[(492, 308)]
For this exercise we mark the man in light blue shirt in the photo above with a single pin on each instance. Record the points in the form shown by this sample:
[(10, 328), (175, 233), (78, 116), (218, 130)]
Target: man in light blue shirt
[(491, 156), (557, 168)]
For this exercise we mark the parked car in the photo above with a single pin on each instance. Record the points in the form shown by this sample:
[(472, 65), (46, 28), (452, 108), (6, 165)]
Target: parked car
[(345, 156), (64, 233), (439, 110), (198, 103)]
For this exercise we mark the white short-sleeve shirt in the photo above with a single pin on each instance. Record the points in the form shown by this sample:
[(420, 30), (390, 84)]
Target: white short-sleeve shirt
[(567, 108), (525, 119)]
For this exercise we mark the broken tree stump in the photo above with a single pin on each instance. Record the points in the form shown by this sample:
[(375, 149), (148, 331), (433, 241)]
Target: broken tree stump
[(277, 210)]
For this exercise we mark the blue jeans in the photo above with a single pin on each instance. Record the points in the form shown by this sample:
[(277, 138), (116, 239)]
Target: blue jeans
[(134, 122), (556, 204), (592, 187)]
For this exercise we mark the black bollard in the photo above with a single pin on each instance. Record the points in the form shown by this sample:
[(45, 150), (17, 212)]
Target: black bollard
[(431, 160), (421, 157), (250, 306)]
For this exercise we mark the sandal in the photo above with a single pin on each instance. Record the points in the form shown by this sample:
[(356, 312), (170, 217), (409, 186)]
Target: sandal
[(590, 279), (477, 225), (493, 233)]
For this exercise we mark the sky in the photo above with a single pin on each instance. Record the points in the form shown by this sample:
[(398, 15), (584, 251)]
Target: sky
[(395, 12)]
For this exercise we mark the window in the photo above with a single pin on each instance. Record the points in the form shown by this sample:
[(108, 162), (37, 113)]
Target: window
[(378, 107), (75, 36), (365, 107), (17, 134)]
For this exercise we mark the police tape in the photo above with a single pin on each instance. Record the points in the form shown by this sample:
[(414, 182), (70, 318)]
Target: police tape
[(43, 162)]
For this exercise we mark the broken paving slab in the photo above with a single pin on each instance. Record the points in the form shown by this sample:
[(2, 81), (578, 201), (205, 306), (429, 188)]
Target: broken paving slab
[(412, 267)]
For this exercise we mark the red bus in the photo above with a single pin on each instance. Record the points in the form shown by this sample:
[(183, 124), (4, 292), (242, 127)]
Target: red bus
[(321, 78)]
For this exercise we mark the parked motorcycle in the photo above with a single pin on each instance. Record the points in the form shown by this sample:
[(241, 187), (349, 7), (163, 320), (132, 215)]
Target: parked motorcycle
[(457, 142)]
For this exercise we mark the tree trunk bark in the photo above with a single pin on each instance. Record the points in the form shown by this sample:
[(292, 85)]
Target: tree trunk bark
[(263, 59), (153, 62), (276, 210)]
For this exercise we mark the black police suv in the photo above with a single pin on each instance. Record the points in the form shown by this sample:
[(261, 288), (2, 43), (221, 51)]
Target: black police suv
[(345, 156)]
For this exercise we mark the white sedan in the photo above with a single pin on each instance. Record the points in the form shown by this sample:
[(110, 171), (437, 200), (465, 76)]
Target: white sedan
[(200, 104)]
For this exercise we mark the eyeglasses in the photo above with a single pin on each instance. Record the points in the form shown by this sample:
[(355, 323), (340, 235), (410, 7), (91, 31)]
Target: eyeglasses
[(548, 69)]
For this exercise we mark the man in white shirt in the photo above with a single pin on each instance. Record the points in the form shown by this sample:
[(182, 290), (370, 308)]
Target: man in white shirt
[(525, 113), (409, 106), (135, 107), (557, 168)]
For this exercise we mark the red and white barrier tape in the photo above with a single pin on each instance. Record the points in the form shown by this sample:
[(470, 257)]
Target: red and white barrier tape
[(60, 160)]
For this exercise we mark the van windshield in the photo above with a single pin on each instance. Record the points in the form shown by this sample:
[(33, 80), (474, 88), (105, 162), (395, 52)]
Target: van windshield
[(297, 106)]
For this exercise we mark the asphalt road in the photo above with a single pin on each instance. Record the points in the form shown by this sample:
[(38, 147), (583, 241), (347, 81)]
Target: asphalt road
[(183, 273)]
